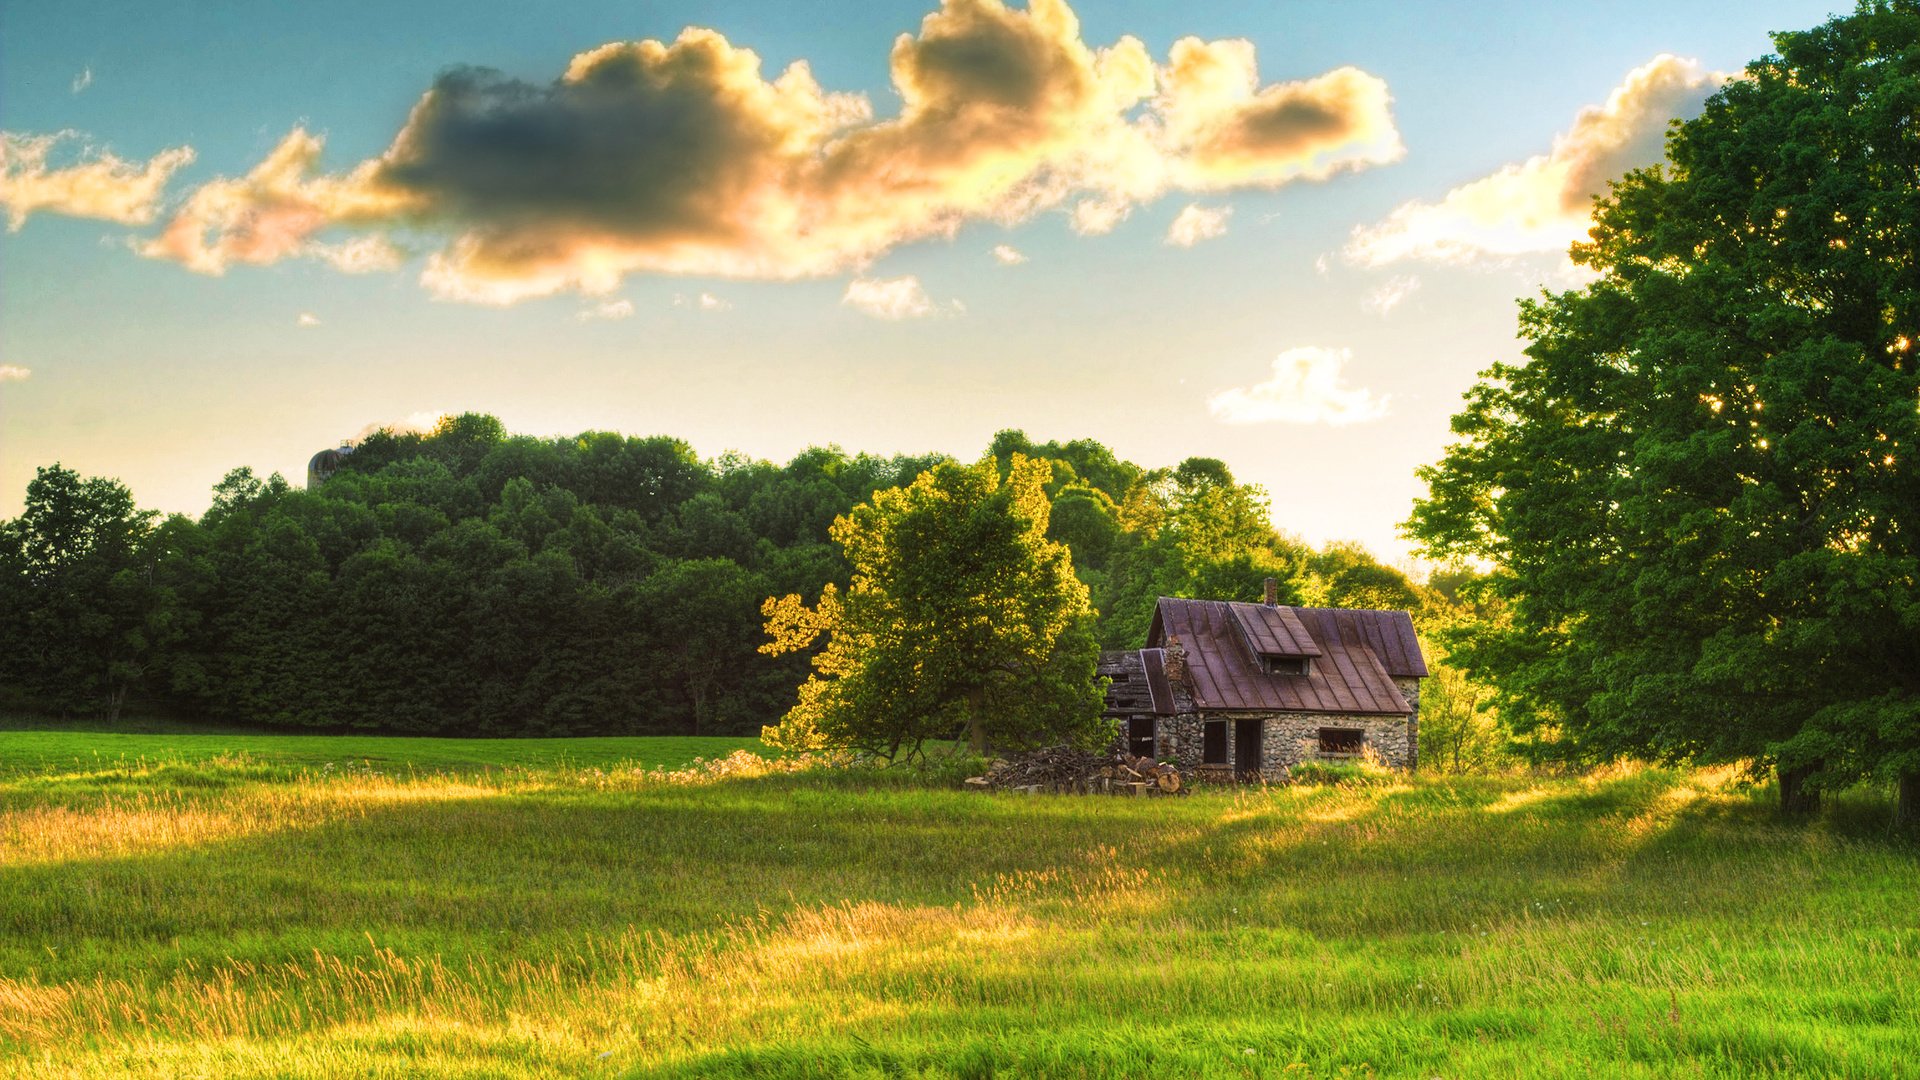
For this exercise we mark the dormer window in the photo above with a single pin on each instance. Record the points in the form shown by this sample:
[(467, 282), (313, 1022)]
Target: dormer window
[(1286, 665)]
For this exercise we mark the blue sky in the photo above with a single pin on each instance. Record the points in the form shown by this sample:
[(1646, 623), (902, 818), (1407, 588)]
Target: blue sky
[(1320, 362)]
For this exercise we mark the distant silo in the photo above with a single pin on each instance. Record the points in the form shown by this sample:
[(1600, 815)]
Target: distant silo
[(325, 464)]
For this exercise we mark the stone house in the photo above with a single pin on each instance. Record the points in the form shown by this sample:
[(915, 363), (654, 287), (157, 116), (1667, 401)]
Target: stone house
[(1248, 691)]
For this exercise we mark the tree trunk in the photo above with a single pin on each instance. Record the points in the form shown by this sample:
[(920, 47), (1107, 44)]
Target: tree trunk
[(976, 726), (1906, 806), (1795, 796)]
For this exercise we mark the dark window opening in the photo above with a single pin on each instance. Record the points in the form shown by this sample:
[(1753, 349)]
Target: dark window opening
[(1120, 677), (1286, 665), (1213, 743), (1247, 745), (1140, 737), (1335, 740)]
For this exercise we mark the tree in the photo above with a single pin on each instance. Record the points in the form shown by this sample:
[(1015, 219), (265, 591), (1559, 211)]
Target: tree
[(1700, 491), (76, 575), (962, 617)]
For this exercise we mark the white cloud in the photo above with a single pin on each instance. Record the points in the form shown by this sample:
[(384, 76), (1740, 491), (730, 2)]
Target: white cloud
[(14, 373), (1197, 223), (1389, 296), (894, 298), (1545, 204), (1008, 255), (1004, 112), (1305, 389), (1099, 216), (361, 255), (706, 301), (610, 309), (97, 185), (83, 80), (307, 318)]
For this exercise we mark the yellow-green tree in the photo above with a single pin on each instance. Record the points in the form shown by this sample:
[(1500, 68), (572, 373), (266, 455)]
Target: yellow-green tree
[(962, 618)]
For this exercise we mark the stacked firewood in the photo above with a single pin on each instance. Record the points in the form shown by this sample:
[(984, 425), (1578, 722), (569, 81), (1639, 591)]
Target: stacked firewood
[(1067, 770)]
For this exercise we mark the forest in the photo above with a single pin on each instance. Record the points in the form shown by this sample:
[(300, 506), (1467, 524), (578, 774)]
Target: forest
[(466, 581)]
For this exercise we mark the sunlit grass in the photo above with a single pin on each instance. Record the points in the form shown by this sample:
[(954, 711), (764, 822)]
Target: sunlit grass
[(236, 918)]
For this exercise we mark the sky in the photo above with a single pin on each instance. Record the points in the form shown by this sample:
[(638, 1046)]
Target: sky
[(1285, 235)]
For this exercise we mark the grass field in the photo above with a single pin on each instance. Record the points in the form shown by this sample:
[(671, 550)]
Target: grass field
[(238, 915), (82, 751)]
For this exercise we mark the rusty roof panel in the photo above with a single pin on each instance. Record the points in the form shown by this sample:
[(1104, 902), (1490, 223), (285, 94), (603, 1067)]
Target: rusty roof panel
[(1355, 656), (1272, 631)]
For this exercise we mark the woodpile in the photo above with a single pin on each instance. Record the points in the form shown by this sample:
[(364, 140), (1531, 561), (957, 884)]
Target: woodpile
[(1068, 771)]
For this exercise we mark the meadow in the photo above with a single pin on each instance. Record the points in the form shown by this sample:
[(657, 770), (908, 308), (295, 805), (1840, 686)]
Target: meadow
[(356, 908)]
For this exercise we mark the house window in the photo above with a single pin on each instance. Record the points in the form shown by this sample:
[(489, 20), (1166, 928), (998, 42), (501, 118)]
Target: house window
[(1213, 743), (1140, 737), (1334, 740), (1286, 665)]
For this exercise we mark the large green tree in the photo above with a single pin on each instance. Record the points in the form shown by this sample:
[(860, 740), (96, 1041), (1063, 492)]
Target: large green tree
[(1701, 491), (962, 617), (83, 614)]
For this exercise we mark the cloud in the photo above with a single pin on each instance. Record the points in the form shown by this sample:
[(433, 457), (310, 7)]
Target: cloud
[(360, 255), (83, 80), (894, 298), (14, 373), (706, 301), (1008, 255), (609, 309), (272, 212), (1545, 203), (307, 318), (1227, 131), (97, 185), (419, 423), (1197, 223), (1388, 296), (1305, 389), (682, 157)]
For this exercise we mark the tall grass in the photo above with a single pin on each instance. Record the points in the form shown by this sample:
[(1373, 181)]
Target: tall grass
[(238, 919)]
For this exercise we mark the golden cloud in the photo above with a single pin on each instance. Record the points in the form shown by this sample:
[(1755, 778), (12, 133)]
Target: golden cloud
[(99, 185), (683, 158), (1545, 204)]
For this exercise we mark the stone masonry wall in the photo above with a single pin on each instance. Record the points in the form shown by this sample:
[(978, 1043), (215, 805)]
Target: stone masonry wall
[(1410, 689), (1288, 738)]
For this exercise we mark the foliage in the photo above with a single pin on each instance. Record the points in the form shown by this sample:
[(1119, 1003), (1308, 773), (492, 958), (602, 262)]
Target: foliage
[(1700, 490), (84, 614), (180, 920), (467, 581), (961, 618)]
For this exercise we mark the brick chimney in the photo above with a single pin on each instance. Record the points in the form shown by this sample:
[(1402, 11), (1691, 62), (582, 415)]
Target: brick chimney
[(1273, 592)]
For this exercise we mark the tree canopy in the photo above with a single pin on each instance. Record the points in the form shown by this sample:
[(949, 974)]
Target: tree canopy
[(961, 617), (470, 581), (1700, 490)]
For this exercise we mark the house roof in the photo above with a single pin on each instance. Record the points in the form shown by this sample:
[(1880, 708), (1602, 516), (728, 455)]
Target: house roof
[(1138, 682), (1356, 655)]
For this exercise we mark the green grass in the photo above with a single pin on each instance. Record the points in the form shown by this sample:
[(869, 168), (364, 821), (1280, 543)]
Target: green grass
[(234, 919), (63, 750)]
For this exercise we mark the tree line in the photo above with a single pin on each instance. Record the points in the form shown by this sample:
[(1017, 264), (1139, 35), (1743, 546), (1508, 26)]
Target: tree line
[(469, 581)]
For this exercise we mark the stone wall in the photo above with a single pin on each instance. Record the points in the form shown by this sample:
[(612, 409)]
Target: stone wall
[(1410, 689), (1288, 738)]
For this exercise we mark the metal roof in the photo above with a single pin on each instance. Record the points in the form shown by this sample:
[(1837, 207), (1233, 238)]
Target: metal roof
[(1139, 682), (1272, 631), (1357, 655)]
